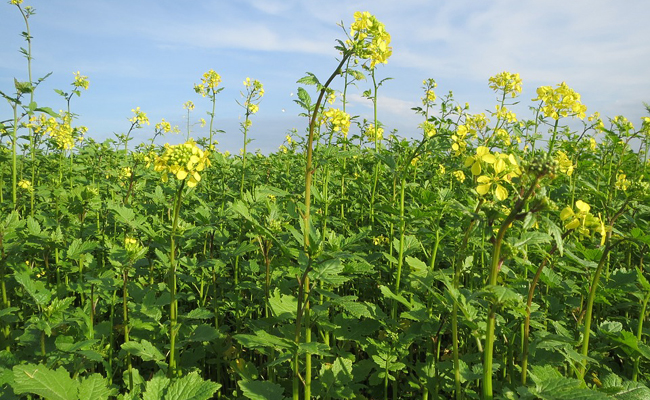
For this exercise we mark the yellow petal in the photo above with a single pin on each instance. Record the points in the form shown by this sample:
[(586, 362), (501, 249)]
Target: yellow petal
[(573, 224), (566, 213), (476, 168), (483, 189), (181, 174), (501, 193), (582, 206), (488, 158)]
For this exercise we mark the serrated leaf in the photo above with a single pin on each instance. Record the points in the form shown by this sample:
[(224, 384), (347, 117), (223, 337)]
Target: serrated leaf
[(143, 349), (418, 267), (36, 289), (632, 391), (155, 388), (199, 313), (42, 381), (192, 387), (283, 306), (260, 390), (95, 387), (309, 79), (397, 297)]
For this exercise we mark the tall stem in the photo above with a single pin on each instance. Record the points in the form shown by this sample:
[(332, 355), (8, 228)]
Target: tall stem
[(173, 302)]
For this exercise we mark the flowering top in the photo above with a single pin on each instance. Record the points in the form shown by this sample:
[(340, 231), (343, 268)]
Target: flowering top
[(140, 118), (583, 221), (16, 2), (209, 83), (80, 81), (560, 102), (184, 160), (373, 133), (62, 132), (370, 39), (340, 120), (506, 82), (253, 96)]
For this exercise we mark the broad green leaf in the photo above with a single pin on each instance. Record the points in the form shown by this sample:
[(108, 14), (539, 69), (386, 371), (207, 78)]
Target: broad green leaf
[(260, 390), (143, 349), (36, 289), (155, 388), (192, 387), (309, 79), (263, 339), (418, 267), (397, 297), (42, 381), (632, 391), (95, 387), (283, 306)]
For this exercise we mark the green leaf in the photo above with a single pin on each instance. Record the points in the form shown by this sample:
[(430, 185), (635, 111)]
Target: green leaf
[(397, 297), (192, 387), (632, 391), (259, 390), (283, 306), (36, 289), (418, 267), (309, 79), (264, 339), (144, 350), (79, 247), (95, 387), (42, 381), (155, 388)]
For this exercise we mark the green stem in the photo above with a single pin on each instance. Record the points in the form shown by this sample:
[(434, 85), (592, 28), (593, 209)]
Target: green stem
[(639, 332), (173, 302)]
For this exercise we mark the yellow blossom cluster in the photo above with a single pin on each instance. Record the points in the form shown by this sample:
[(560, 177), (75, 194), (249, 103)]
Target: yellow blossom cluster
[(184, 161), (622, 183), (459, 175), (564, 162), (339, 120), (373, 133), (254, 94), (25, 184), (500, 168), (560, 102), (80, 81), (16, 2), (139, 117), (165, 127), (645, 126), (583, 221), (125, 173), (209, 83), (370, 39), (506, 82), (428, 128), (623, 123), (61, 132), (504, 114), (472, 126)]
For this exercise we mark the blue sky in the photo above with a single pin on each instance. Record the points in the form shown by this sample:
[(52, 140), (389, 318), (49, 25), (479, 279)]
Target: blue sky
[(149, 54)]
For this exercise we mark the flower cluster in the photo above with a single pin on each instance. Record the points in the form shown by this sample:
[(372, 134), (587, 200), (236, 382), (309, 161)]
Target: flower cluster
[(80, 81), (165, 127), (509, 84), (209, 83), (62, 132), (25, 184), (503, 167), (622, 183), (583, 221), (339, 120), (370, 39), (564, 163), (139, 118), (184, 160), (560, 102), (372, 133), (253, 96)]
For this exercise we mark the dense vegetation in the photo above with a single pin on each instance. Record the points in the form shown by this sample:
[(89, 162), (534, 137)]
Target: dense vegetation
[(489, 258)]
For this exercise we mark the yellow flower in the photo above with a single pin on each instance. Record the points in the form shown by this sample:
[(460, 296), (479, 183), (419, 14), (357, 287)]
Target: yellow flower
[(506, 82), (202, 122), (373, 133), (441, 169), (163, 126), (459, 175), (621, 182), (25, 184), (560, 102), (331, 98), (482, 156), (188, 105), (428, 128), (370, 39), (80, 81), (339, 120), (184, 161), (504, 168), (209, 83), (582, 220), (565, 164), (140, 118), (592, 144), (16, 2)]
